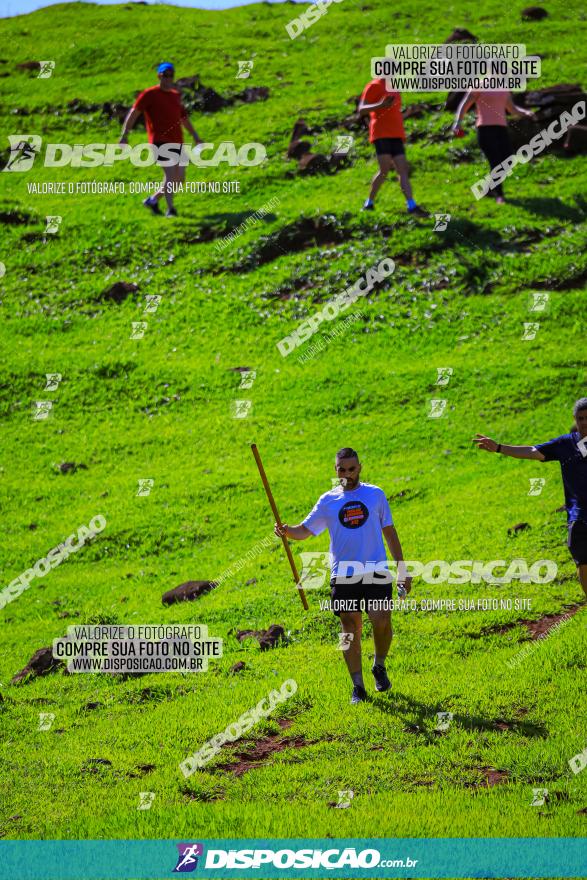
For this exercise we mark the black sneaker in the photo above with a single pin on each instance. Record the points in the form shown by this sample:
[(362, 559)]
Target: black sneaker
[(417, 211), (171, 212), (359, 694), (368, 206), (382, 682), (154, 206)]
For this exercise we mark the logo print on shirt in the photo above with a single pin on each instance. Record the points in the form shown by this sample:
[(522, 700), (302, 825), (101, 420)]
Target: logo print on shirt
[(353, 515)]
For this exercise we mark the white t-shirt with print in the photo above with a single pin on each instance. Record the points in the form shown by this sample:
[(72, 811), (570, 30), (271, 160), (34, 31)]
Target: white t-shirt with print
[(355, 520)]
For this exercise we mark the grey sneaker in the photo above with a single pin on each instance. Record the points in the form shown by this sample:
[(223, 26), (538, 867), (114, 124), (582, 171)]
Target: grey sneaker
[(359, 694), (382, 682)]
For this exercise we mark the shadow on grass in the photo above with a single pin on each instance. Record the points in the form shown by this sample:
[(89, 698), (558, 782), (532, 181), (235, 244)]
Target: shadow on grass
[(235, 218), (214, 226), (401, 705), (551, 207)]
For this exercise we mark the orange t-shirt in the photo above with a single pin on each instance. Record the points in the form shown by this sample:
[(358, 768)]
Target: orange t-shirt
[(386, 122), (163, 112)]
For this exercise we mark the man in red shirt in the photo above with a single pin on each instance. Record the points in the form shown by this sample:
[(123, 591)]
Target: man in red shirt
[(164, 116), (386, 133)]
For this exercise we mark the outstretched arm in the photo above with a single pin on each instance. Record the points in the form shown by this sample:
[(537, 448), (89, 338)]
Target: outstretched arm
[(295, 533), (490, 445), (515, 110)]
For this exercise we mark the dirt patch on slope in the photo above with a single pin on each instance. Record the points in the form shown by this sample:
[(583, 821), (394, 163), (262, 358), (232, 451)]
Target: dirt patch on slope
[(536, 628), (259, 752)]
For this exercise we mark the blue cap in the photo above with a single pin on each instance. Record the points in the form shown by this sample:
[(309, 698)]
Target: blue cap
[(165, 66)]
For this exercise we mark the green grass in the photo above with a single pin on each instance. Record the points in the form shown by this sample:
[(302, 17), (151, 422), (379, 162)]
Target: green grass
[(159, 408)]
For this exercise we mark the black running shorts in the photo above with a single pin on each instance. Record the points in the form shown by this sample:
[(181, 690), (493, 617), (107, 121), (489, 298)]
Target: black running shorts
[(353, 598), (173, 148), (389, 146), (577, 542)]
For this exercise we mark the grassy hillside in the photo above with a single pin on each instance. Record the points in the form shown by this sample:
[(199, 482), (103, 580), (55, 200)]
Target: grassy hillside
[(159, 408)]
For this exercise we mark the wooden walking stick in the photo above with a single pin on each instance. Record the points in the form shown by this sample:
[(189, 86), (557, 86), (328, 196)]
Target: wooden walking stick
[(271, 500)]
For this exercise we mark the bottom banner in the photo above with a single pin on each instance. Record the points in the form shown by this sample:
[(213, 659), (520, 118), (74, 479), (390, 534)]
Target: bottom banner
[(376, 857)]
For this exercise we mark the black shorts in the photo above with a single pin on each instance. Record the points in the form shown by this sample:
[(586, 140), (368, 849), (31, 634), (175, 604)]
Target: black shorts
[(172, 148), (352, 598), (577, 541), (389, 146)]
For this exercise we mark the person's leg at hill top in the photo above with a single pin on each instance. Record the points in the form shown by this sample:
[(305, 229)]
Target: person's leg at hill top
[(352, 624), (385, 163), (173, 175), (495, 143), (401, 166), (382, 635)]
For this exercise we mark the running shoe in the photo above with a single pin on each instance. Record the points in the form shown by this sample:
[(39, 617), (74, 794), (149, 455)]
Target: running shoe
[(359, 694), (152, 205), (382, 682), (171, 212), (417, 211), (368, 206)]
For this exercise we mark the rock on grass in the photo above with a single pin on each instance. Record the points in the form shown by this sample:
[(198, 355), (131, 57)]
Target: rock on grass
[(41, 663), (267, 638), (187, 592)]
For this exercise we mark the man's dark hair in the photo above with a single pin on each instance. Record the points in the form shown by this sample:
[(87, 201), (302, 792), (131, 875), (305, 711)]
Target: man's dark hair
[(580, 405), (347, 452)]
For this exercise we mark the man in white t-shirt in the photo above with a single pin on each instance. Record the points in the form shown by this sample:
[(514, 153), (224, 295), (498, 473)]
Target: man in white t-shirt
[(357, 515)]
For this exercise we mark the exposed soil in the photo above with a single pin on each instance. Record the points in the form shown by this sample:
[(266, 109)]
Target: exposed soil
[(536, 628), (260, 752), (491, 777)]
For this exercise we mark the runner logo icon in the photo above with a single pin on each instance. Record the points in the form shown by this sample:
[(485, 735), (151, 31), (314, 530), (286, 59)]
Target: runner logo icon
[(187, 859)]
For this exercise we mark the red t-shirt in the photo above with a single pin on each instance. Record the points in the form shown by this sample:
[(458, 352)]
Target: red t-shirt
[(163, 112), (387, 122)]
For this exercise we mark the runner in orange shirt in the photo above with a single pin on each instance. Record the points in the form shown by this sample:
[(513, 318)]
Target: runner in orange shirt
[(164, 116), (386, 133)]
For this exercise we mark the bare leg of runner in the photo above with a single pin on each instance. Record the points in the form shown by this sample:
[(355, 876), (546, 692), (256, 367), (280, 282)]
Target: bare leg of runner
[(385, 162), (177, 178), (382, 633), (164, 190), (352, 623), (402, 168)]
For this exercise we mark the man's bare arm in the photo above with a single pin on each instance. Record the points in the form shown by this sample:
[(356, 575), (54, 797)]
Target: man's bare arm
[(295, 533), (363, 109), (465, 105), (189, 127), (129, 124), (517, 111), (395, 548), (490, 445)]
